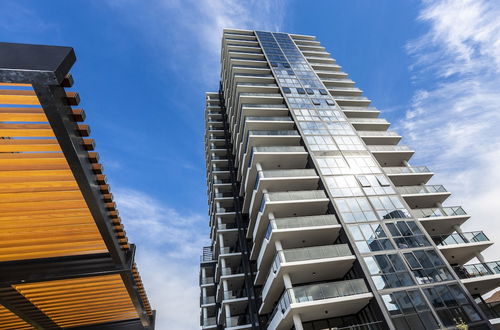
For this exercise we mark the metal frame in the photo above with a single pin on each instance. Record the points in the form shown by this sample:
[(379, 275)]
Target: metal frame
[(45, 68)]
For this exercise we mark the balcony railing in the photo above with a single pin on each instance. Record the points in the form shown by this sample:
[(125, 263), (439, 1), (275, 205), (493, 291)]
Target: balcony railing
[(438, 212), (377, 133), (209, 321), (389, 148), (237, 320), (271, 133), (308, 172), (276, 149), (478, 270), (207, 300), (299, 222), (365, 120), (404, 170), (457, 238), (491, 310), (206, 280), (425, 189), (315, 292), (309, 253), (229, 249)]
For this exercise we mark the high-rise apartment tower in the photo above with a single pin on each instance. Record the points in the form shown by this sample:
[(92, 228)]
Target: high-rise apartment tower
[(318, 221)]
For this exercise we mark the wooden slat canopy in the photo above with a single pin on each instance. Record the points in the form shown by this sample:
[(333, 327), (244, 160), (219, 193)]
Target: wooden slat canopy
[(45, 215), (84, 301), (11, 321)]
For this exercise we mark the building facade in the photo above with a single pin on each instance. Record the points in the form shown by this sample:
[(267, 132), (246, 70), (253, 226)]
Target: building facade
[(317, 218)]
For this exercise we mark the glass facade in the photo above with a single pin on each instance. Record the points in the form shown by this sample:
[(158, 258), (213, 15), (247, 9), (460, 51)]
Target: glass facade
[(404, 267)]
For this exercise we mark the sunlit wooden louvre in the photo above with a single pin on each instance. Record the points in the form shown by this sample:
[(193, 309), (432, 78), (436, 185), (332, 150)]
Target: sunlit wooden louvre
[(65, 259)]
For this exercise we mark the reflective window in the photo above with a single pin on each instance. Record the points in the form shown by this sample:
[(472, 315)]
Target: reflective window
[(409, 310), (388, 271), (349, 143), (363, 164), (370, 237), (343, 186), (355, 209), (406, 234), (333, 165), (427, 266), (375, 184), (321, 142), (389, 207), (451, 304)]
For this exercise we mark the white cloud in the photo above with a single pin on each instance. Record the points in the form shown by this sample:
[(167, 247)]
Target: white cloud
[(168, 249), (190, 31), (453, 119)]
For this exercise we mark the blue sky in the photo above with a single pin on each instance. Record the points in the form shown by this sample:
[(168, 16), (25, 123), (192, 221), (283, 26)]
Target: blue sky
[(143, 67)]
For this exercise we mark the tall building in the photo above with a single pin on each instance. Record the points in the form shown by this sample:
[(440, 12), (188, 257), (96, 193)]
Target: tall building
[(65, 260), (317, 218)]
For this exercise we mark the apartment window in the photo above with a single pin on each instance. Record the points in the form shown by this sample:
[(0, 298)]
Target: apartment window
[(388, 271), (343, 186), (290, 72), (301, 91), (355, 209), (316, 101), (287, 90), (333, 165), (451, 304), (311, 127), (338, 128), (286, 65), (409, 310), (349, 143), (332, 115), (407, 235), (363, 164), (389, 207), (306, 115), (274, 64), (330, 102), (309, 91), (370, 238), (427, 266), (323, 92), (323, 143), (375, 184)]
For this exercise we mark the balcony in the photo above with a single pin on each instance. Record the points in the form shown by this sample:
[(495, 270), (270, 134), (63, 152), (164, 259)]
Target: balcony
[(331, 82), (248, 49), (460, 248), (391, 155), (273, 157), (380, 137), (345, 91), (266, 78), (327, 262), (358, 101), (291, 231), (262, 110), (278, 180), (205, 301), (361, 112), (480, 278), (440, 220), (286, 204), (326, 67), (331, 74), (313, 301), (318, 59), (247, 87), (209, 323), (260, 98), (424, 195), (238, 322), (369, 124), (317, 52), (282, 135), (262, 123), (408, 175)]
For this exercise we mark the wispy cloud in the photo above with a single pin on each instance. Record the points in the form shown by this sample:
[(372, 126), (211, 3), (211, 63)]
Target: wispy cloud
[(453, 119), (190, 31), (168, 249)]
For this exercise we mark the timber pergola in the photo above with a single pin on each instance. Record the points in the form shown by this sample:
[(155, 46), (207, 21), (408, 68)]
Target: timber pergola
[(65, 261)]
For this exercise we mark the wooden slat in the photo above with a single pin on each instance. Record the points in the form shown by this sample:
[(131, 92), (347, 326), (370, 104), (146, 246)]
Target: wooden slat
[(20, 145), (22, 114), (21, 97), (81, 301)]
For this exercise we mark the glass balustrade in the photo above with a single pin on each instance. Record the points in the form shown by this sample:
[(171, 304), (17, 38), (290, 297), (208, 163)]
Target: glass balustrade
[(477, 270), (438, 212), (457, 238), (424, 189)]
